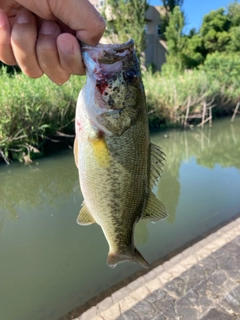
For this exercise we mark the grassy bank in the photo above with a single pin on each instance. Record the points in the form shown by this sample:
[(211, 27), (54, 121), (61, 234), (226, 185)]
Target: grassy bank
[(36, 115), (179, 97)]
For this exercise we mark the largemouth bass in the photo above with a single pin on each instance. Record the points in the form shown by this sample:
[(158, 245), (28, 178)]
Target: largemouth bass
[(117, 164)]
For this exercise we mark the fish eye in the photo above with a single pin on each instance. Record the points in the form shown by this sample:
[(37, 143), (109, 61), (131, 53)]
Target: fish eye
[(130, 76)]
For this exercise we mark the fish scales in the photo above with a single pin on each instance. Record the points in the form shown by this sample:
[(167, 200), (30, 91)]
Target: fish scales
[(113, 150), (115, 185)]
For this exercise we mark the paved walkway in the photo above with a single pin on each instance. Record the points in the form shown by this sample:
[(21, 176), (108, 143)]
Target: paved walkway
[(202, 282)]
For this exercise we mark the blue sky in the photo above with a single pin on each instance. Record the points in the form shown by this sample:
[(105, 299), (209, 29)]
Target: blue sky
[(195, 10)]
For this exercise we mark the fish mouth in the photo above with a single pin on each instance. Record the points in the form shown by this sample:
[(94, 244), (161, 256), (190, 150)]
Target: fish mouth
[(115, 47), (109, 53)]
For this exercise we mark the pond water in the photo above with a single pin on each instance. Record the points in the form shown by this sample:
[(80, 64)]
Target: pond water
[(49, 265)]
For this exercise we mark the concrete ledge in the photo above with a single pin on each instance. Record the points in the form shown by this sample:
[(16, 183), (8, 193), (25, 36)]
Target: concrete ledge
[(124, 299)]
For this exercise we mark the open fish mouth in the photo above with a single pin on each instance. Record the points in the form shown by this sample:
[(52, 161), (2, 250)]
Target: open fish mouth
[(115, 47), (109, 53), (107, 58)]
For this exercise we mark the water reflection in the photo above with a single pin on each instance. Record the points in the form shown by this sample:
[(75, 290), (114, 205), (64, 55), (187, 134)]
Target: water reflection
[(209, 146), (169, 191), (141, 233), (30, 187)]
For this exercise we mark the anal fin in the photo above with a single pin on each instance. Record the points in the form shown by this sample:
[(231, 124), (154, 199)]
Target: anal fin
[(85, 218), (155, 210)]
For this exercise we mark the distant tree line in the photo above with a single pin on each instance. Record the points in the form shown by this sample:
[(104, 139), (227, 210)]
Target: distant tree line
[(219, 33)]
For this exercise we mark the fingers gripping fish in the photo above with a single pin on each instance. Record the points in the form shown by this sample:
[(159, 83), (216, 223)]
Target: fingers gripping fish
[(117, 164)]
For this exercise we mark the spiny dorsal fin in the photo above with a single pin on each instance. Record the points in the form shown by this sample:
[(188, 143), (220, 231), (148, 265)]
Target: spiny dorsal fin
[(155, 210), (85, 218), (75, 151), (156, 164)]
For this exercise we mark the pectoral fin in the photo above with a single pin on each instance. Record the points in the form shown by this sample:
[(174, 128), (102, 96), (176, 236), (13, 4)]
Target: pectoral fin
[(85, 218), (75, 151), (155, 210), (156, 164)]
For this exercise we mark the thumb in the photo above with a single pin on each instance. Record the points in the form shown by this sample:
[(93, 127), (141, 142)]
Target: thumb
[(79, 15)]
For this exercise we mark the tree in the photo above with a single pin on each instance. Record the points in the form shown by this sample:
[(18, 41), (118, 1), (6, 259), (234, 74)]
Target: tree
[(215, 31), (169, 6), (126, 19), (234, 32), (174, 37), (234, 13), (193, 51), (234, 43), (219, 33)]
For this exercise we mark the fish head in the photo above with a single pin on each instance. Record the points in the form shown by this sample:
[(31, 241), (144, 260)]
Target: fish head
[(114, 86)]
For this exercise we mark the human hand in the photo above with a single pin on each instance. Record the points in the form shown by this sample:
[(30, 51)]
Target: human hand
[(41, 36)]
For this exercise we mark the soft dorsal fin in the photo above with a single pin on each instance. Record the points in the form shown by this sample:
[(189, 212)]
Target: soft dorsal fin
[(155, 210), (85, 218), (75, 151), (156, 164)]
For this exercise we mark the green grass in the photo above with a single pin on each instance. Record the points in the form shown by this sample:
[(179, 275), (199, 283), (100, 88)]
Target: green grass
[(35, 112), (169, 95)]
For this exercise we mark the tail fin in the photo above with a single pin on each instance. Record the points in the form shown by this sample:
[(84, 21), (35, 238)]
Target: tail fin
[(135, 256)]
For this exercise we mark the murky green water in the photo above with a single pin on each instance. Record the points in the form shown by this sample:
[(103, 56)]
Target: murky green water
[(50, 265)]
